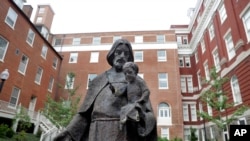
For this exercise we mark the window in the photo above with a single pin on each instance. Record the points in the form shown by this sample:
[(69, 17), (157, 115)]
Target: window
[(209, 110), (116, 38), (163, 80), (41, 10), (200, 109), (165, 133), (211, 132), (51, 83), (90, 78), (223, 13), (179, 40), (196, 57), (181, 61), (138, 39), (236, 90), (19, 3), (199, 79), (23, 64), (193, 112), (39, 74), (94, 57), (182, 39), (161, 55), (186, 134), (246, 22), (141, 75), (96, 40), (58, 42), (70, 79), (183, 85), (14, 97), (185, 112), (164, 110), (73, 57), (216, 60), (230, 46), (3, 48), (242, 121), (39, 19), (11, 18), (138, 56), (211, 31), (44, 51), (160, 38), (54, 64), (30, 37), (186, 84), (206, 69), (203, 47), (187, 62), (76, 41)]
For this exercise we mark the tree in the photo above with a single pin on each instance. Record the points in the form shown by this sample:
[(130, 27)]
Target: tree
[(61, 112), (193, 136), (217, 99)]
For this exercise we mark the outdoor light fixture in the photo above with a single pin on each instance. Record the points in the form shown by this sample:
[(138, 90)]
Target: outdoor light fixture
[(4, 76)]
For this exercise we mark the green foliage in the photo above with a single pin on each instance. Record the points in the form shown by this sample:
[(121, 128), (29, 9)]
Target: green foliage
[(23, 119), (21, 136), (61, 112), (3, 130), (217, 99), (10, 133), (193, 136), (165, 139)]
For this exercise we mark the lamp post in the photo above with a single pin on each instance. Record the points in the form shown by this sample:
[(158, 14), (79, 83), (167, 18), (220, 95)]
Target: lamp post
[(3, 76)]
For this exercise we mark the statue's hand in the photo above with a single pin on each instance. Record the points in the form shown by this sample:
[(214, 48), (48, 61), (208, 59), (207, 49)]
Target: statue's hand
[(63, 136)]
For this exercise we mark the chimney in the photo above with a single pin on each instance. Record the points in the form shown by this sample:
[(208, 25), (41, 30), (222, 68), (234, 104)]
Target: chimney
[(27, 9)]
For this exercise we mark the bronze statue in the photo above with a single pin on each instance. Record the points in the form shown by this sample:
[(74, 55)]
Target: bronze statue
[(98, 118)]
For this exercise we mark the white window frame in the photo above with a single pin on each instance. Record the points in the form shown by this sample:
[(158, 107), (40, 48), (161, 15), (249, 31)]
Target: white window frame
[(15, 93), (3, 48), (163, 80), (196, 57), (222, 13), (193, 112), (229, 45), (11, 17), (200, 109), (96, 40), (186, 134), (138, 56), (236, 90), (39, 74), (76, 41), (44, 51), (30, 37), (199, 79), (58, 42), (160, 38), (211, 31), (23, 65), (246, 21), (206, 69), (187, 62), (73, 57), (55, 61), (69, 84), (179, 40), (209, 110), (181, 62), (216, 58), (164, 111), (183, 84), (39, 19), (51, 84), (185, 112), (165, 132), (203, 46), (242, 119), (138, 39), (94, 57), (90, 78), (161, 55), (116, 38)]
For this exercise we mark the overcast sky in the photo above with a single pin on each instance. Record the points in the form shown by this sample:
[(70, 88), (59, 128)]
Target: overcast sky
[(76, 16)]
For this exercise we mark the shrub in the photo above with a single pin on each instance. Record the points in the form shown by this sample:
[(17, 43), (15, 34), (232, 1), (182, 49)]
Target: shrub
[(10, 133), (3, 130)]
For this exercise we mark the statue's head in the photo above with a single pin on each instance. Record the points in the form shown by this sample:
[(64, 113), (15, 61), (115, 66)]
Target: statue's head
[(120, 53)]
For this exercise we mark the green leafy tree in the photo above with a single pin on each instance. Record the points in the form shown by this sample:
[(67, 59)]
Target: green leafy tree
[(61, 112), (23, 119), (193, 136), (217, 99)]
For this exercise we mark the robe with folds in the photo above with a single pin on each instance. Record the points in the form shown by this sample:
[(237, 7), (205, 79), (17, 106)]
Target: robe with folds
[(98, 118)]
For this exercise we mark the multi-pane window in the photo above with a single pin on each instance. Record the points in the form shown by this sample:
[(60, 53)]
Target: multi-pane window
[(236, 90), (223, 13), (230, 46), (181, 61), (76, 41), (160, 38), (216, 60), (193, 112), (39, 19), (30, 37), (185, 112), (163, 80), (200, 109), (55, 61), (242, 121), (183, 85), (206, 69), (186, 84), (11, 18), (203, 46), (209, 110), (94, 57), (39, 74), (14, 97), (90, 78), (246, 22), (199, 79), (73, 57), (138, 39), (211, 31), (161, 55), (44, 51), (211, 132), (186, 134), (70, 79), (3, 48), (182, 39), (96, 40), (51, 83), (116, 38), (187, 62), (41, 10), (58, 42), (164, 110), (138, 55), (165, 133), (196, 56), (23, 64), (19, 3)]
